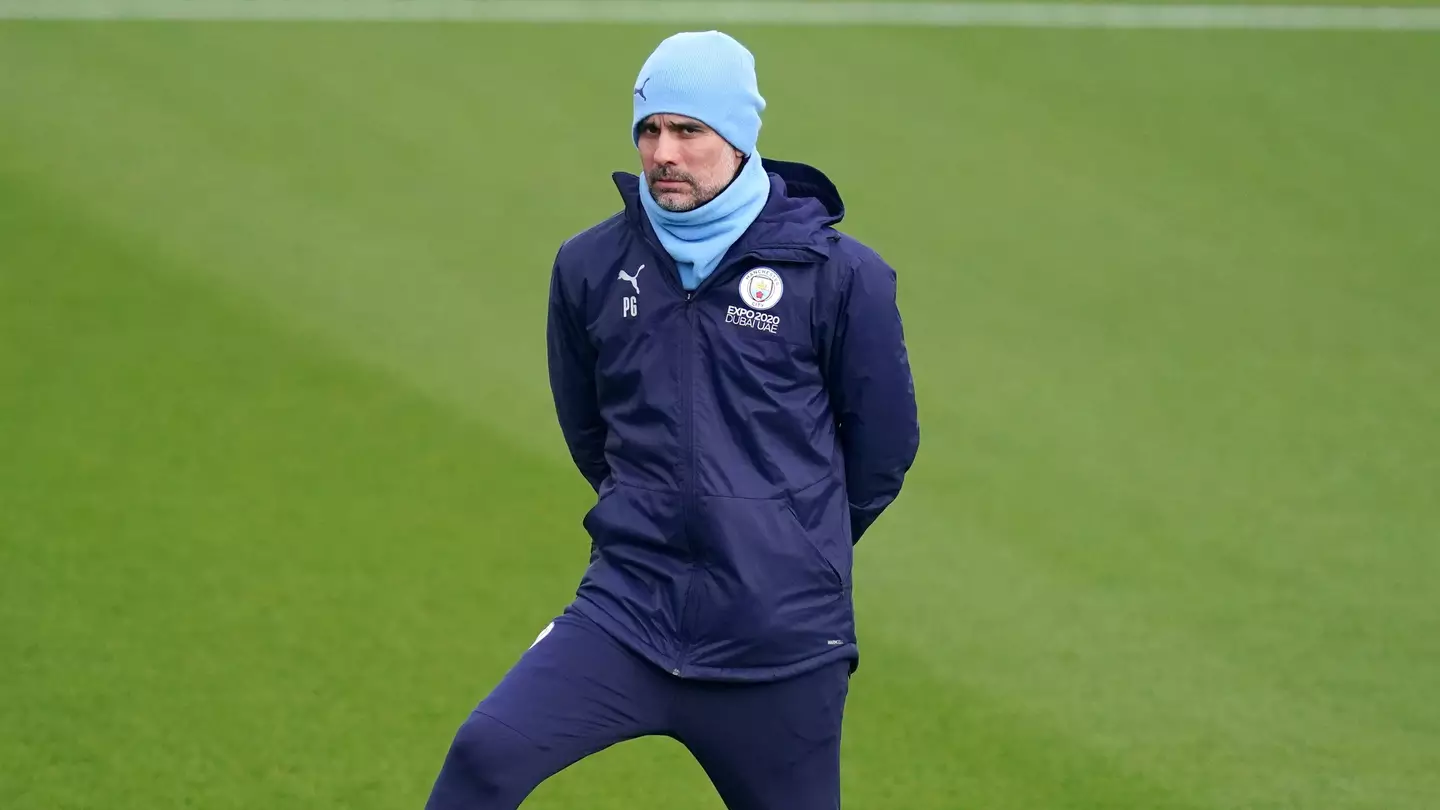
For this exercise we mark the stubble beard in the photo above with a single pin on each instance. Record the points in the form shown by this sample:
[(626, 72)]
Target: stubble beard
[(680, 202)]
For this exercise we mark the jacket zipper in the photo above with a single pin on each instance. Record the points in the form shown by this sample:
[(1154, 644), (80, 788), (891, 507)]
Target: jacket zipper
[(688, 408), (687, 467)]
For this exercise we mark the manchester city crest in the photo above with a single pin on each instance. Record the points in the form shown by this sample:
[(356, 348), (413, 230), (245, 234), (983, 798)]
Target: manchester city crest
[(761, 288)]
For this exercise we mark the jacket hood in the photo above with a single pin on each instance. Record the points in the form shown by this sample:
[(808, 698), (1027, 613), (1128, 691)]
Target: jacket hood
[(803, 203), (803, 183)]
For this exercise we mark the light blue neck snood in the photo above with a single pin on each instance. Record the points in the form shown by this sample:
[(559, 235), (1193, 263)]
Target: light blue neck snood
[(698, 239)]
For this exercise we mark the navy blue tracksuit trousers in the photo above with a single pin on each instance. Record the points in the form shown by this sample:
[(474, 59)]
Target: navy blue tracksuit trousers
[(765, 746)]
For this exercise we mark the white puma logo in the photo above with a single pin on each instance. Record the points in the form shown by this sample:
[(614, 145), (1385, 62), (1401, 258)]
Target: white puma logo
[(634, 282)]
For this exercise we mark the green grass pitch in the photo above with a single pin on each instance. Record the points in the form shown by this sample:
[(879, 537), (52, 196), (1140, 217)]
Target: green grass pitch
[(281, 493)]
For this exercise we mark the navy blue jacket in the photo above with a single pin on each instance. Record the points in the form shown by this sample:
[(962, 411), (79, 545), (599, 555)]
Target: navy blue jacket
[(740, 438)]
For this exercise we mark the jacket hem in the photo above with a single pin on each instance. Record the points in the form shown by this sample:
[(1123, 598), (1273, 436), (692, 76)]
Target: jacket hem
[(597, 615), (780, 673)]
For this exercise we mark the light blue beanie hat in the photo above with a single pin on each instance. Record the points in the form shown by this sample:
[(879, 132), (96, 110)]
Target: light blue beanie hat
[(705, 75)]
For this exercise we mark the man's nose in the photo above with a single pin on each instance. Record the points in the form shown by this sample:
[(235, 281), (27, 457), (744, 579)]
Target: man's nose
[(667, 149)]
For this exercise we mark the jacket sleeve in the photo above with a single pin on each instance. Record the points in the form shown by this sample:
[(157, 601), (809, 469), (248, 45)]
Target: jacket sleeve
[(571, 361), (872, 391)]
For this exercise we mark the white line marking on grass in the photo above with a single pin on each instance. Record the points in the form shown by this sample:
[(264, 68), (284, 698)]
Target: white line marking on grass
[(773, 12)]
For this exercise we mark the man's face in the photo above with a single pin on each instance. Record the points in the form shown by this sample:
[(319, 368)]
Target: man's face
[(686, 163)]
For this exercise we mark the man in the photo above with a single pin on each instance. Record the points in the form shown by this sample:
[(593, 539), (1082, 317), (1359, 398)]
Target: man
[(731, 377)]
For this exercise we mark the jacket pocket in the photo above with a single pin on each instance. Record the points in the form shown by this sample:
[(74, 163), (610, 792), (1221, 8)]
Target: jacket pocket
[(821, 514), (595, 521), (765, 596), (761, 548), (625, 515), (814, 547), (639, 574)]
